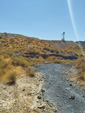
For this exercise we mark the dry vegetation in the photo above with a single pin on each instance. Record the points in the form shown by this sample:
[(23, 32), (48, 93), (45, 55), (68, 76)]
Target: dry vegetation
[(30, 72), (22, 51), (80, 65)]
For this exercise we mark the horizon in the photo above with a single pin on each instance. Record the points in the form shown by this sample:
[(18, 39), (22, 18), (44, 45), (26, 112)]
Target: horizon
[(39, 38), (45, 20)]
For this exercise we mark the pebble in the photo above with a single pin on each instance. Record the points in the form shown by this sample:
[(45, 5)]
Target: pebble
[(43, 90), (72, 97), (55, 110), (68, 88), (39, 97), (50, 104), (42, 107), (23, 89), (70, 84)]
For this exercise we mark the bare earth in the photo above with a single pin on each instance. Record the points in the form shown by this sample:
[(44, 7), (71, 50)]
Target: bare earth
[(52, 90), (61, 89), (24, 96)]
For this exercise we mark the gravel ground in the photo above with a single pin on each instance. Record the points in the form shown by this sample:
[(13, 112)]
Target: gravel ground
[(60, 89), (24, 96)]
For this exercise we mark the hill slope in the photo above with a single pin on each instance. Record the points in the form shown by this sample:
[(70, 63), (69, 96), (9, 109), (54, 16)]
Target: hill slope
[(62, 44), (38, 49)]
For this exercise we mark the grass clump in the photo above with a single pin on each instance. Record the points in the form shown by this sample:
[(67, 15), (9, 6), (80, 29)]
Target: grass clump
[(11, 78), (20, 61), (80, 65), (30, 72)]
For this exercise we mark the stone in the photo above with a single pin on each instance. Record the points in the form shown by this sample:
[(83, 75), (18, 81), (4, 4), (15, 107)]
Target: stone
[(50, 104), (43, 90), (70, 84), (23, 89), (55, 110), (72, 97), (42, 107), (30, 93), (39, 97), (68, 88)]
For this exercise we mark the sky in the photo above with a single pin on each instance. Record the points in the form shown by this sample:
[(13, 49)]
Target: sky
[(44, 19)]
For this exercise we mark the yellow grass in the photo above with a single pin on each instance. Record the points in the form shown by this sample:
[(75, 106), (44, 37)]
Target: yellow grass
[(80, 65)]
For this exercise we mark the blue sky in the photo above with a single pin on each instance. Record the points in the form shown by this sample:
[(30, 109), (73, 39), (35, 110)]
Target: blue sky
[(44, 19)]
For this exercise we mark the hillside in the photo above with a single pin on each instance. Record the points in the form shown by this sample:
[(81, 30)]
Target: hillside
[(82, 43), (62, 44), (39, 49), (19, 57)]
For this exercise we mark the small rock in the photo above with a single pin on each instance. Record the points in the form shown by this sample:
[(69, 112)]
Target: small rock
[(39, 97), (50, 104), (67, 88), (72, 97), (42, 107), (23, 89), (4, 87), (43, 90), (37, 84), (70, 84), (30, 93), (71, 80), (55, 110)]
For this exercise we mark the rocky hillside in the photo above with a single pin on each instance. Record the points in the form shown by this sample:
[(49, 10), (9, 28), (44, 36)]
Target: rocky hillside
[(81, 43), (38, 50), (19, 56), (62, 44)]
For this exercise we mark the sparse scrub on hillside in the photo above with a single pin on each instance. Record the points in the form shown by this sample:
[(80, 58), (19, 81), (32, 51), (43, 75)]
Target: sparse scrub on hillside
[(6, 53), (3, 64), (20, 61), (80, 65), (39, 51), (1, 73)]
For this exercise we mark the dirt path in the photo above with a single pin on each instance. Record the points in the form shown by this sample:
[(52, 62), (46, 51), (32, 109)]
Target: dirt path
[(62, 92)]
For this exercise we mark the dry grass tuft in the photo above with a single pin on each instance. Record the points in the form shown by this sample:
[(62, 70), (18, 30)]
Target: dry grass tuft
[(30, 72), (12, 78), (80, 65)]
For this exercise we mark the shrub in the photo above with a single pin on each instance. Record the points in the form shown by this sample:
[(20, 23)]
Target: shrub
[(82, 76), (80, 65), (30, 72), (1, 73), (11, 78), (20, 61), (3, 64)]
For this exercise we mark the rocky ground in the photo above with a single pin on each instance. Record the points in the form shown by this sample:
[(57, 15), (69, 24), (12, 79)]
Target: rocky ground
[(24, 96), (62, 89), (52, 90)]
